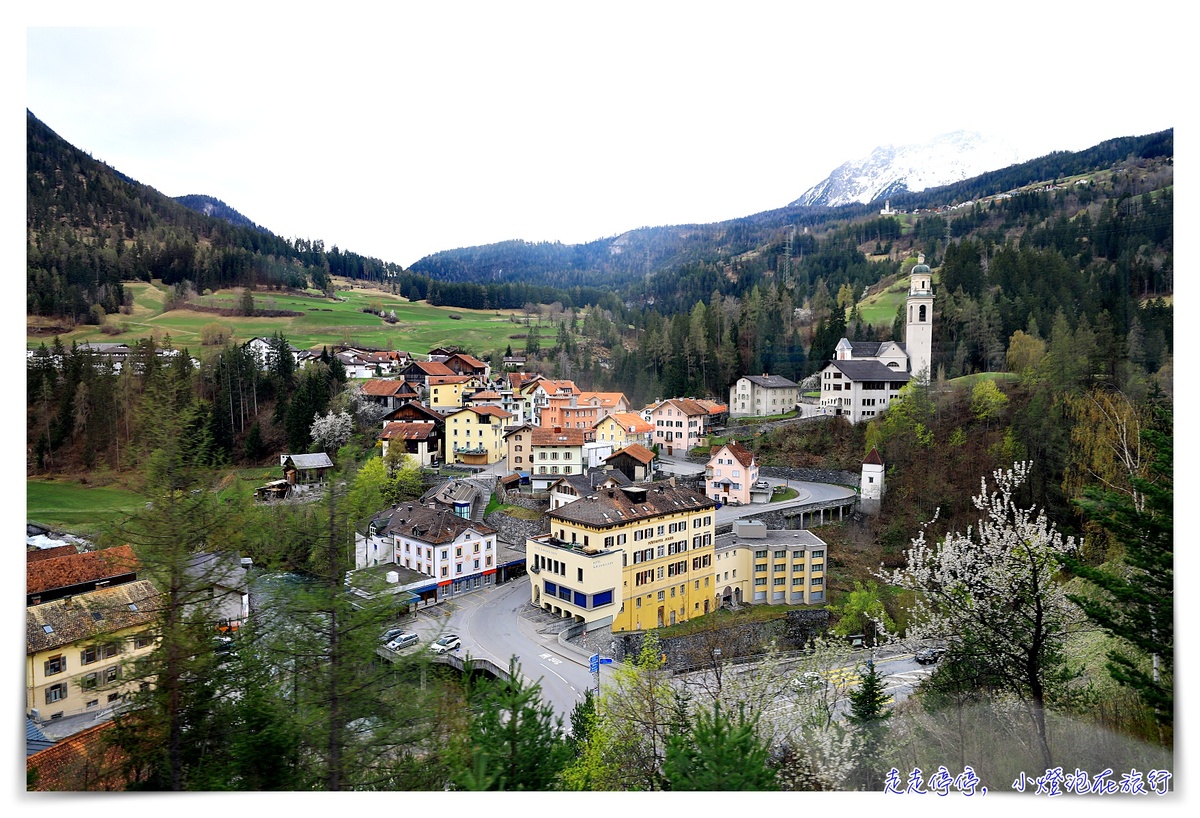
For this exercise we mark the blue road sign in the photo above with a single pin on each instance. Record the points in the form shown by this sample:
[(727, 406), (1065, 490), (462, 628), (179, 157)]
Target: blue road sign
[(594, 662), (606, 660)]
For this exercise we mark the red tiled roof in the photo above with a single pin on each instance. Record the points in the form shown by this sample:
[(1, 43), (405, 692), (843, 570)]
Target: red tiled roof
[(73, 569), (78, 763), (407, 430), (631, 420), (377, 387), (543, 436), (635, 450), (39, 554), (743, 455)]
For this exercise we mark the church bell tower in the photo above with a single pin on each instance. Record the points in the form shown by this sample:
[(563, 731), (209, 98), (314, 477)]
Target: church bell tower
[(918, 332)]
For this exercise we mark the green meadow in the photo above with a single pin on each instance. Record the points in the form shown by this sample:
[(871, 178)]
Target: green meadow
[(78, 507), (324, 322)]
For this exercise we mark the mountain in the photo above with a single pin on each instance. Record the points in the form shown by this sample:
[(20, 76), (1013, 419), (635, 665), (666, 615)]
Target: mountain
[(890, 170), (217, 209)]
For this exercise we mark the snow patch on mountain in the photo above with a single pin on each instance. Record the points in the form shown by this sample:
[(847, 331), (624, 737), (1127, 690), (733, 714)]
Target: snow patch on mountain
[(890, 170)]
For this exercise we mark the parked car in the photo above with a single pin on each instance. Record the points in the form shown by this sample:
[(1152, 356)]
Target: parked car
[(404, 640), (390, 634), (929, 656), (762, 484), (446, 643)]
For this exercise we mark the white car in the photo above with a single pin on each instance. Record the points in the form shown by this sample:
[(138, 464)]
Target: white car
[(809, 681), (446, 644)]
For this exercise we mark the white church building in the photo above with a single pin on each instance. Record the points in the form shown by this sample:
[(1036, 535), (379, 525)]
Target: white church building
[(864, 376)]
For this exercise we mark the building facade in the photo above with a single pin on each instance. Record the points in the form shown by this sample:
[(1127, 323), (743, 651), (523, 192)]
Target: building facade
[(635, 557), (457, 554), (756, 565), (762, 395)]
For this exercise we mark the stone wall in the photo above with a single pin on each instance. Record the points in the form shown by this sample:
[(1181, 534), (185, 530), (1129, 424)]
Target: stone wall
[(513, 530), (791, 632)]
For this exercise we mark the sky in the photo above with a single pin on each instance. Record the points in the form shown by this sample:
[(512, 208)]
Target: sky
[(396, 133)]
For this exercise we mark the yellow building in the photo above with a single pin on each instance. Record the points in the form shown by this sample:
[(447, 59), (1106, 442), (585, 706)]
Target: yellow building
[(77, 648), (475, 435), (446, 391), (635, 557), (754, 564), (622, 429)]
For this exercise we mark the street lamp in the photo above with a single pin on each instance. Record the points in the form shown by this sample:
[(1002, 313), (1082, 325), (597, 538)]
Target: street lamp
[(716, 657)]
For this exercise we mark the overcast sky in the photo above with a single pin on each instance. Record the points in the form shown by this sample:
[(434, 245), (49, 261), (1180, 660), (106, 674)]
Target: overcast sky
[(396, 134)]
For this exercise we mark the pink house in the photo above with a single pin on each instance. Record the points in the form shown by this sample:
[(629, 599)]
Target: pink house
[(729, 474), (680, 424)]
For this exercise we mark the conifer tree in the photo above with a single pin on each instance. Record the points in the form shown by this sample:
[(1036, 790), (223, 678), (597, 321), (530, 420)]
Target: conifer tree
[(718, 753), (869, 714)]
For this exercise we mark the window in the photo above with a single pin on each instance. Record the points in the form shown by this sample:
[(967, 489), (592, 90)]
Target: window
[(476, 565), (445, 571), (818, 566), (662, 595), (760, 581), (579, 574), (760, 555), (56, 693), (88, 682), (760, 567), (779, 581), (458, 551), (817, 581), (87, 656), (56, 664), (111, 674), (141, 642), (780, 555), (797, 581), (817, 554)]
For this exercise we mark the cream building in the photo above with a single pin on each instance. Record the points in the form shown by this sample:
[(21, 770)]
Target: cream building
[(77, 649), (754, 564)]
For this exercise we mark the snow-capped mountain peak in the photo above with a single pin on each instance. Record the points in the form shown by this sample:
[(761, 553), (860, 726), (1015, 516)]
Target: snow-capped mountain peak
[(889, 170)]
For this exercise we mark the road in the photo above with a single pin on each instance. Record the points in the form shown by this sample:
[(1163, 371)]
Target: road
[(499, 623)]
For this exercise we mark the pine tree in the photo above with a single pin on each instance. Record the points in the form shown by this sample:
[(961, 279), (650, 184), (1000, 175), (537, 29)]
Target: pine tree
[(718, 753), (1136, 601), (515, 740), (869, 714)]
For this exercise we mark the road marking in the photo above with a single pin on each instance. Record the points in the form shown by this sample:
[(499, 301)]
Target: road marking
[(551, 658)]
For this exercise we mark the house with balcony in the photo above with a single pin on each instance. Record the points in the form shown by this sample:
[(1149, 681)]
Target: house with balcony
[(730, 474), (633, 557), (634, 461), (475, 435), (420, 440), (463, 364), (386, 392)]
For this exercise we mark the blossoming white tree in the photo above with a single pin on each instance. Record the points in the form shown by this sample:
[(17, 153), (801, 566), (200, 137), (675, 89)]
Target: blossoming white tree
[(994, 596), (332, 431)]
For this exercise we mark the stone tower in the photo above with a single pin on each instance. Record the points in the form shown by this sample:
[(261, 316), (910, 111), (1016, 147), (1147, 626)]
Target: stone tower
[(918, 332), (872, 487)]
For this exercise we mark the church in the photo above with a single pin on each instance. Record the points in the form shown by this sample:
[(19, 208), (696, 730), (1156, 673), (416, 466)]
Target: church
[(865, 376)]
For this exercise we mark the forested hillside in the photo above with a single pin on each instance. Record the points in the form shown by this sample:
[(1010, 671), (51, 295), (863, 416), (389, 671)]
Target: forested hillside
[(755, 294)]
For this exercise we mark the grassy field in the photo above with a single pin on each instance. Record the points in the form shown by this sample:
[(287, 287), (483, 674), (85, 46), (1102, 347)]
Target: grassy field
[(880, 307), (88, 508), (324, 322), (77, 507)]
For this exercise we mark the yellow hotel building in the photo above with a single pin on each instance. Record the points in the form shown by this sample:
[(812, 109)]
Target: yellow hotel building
[(637, 557)]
